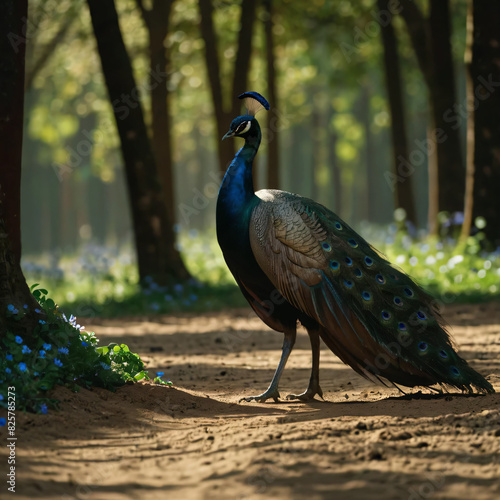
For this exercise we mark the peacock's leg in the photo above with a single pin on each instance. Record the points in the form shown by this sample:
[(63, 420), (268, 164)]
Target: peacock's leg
[(314, 387), (272, 390)]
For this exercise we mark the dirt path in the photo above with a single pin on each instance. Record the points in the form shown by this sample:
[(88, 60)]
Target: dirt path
[(195, 441)]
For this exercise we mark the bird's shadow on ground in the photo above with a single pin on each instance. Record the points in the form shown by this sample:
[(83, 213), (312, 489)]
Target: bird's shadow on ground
[(417, 405), (145, 407)]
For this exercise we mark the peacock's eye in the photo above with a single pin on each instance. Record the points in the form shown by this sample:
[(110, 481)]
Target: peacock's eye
[(242, 128)]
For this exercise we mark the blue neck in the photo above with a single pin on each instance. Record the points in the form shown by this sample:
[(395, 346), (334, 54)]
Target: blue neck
[(237, 198), (236, 192)]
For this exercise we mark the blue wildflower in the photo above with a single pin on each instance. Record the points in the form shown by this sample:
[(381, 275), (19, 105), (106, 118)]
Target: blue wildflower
[(63, 350), (18, 339), (193, 297), (2, 422), (42, 354), (84, 344), (168, 298), (15, 311), (155, 306), (38, 310), (25, 306), (22, 367), (57, 362), (36, 374), (178, 288), (41, 321), (10, 307), (9, 357), (43, 408), (26, 349), (159, 374), (105, 366), (47, 347), (1, 397), (8, 370)]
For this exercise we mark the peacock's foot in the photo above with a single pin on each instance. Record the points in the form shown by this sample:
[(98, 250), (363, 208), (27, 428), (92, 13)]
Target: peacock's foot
[(308, 395), (262, 398)]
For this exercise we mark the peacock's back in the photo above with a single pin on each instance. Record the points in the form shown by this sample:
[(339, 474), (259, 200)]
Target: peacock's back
[(372, 315)]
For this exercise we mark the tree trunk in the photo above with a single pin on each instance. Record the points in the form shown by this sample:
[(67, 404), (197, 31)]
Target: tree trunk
[(13, 288), (223, 118), (333, 161), (370, 207), (225, 149), (157, 24), (469, 172), (486, 78), (451, 172), (242, 62), (401, 182), (433, 183), (12, 64), (273, 166), (316, 130), (431, 42), (154, 237)]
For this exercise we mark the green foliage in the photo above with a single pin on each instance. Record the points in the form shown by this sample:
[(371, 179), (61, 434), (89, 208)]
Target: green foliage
[(104, 282), (108, 286), (62, 353)]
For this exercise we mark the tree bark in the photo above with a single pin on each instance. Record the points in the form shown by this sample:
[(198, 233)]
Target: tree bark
[(225, 149), (486, 75), (157, 24), (223, 117), (273, 166), (154, 237), (469, 167), (451, 171), (13, 288), (370, 204), (242, 62), (333, 161), (430, 39), (12, 68), (402, 180)]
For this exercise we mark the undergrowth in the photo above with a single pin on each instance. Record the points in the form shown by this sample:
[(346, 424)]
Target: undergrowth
[(59, 352), (101, 281)]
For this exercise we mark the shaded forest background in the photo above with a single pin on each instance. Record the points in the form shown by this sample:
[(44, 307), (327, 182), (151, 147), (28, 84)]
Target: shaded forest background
[(369, 113), (330, 112)]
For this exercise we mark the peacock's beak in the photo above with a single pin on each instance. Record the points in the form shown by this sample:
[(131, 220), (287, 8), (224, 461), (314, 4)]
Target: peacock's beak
[(229, 134)]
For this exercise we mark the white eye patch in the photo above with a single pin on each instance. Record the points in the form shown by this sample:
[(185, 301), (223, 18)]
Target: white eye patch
[(243, 127)]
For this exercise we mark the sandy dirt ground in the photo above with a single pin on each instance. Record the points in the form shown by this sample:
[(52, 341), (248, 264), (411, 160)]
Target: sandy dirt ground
[(196, 441)]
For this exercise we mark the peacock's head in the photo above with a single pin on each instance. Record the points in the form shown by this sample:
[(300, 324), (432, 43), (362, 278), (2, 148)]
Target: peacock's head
[(241, 126), (245, 125)]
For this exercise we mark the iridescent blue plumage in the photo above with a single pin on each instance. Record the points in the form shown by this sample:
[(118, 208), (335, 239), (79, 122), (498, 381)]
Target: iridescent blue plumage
[(294, 260)]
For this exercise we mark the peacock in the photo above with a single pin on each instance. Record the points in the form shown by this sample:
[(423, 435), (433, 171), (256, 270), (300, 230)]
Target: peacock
[(296, 261)]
